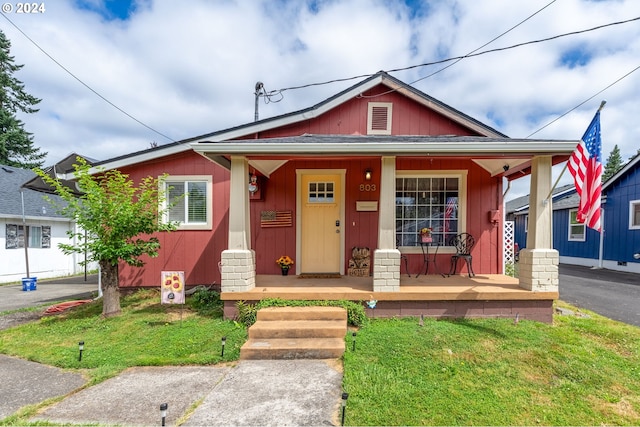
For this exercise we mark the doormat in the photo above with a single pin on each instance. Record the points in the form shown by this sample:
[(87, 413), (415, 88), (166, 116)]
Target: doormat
[(319, 276)]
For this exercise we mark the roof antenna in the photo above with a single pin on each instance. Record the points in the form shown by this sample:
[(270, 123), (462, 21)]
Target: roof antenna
[(258, 93)]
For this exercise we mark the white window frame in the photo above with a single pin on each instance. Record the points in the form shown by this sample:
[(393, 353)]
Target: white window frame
[(370, 107), (33, 240), (633, 204), (208, 179), (462, 200), (576, 224)]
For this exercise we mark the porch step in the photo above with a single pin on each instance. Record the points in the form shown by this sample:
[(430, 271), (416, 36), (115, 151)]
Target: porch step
[(298, 329), (292, 348), (297, 333), (302, 313)]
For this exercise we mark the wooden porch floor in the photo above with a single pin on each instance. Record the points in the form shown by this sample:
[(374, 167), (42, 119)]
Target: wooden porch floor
[(482, 287)]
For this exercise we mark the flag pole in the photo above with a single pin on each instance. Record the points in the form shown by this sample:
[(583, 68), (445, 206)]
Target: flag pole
[(602, 104)]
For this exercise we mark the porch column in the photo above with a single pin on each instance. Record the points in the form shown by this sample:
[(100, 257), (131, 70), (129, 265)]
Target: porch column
[(538, 265), (238, 267), (386, 260)]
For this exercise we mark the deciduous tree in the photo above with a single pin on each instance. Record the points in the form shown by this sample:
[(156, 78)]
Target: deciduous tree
[(119, 218)]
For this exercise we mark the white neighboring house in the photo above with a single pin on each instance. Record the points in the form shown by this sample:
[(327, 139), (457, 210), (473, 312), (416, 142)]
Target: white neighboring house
[(45, 229)]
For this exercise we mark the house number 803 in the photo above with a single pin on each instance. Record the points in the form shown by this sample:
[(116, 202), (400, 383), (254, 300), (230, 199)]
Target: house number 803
[(367, 187)]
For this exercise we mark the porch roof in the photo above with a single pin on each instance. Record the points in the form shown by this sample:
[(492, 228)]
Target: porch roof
[(492, 153)]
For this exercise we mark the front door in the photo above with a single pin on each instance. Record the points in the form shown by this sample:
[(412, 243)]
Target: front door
[(321, 222)]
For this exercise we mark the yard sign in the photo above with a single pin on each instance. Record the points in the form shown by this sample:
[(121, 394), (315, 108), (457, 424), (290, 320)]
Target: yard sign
[(172, 288)]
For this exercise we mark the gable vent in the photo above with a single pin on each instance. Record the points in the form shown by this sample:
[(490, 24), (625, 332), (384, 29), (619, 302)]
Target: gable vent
[(379, 118)]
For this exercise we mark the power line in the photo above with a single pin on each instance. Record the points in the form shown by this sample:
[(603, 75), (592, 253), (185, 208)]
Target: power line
[(442, 61), (84, 84), (585, 101), (486, 44), (269, 95), (473, 51)]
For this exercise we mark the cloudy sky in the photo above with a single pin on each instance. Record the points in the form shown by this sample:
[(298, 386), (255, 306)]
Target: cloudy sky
[(116, 76)]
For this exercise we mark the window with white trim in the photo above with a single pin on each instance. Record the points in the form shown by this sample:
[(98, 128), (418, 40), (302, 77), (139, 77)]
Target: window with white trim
[(36, 236), (577, 230), (191, 199), (435, 201), (379, 118), (634, 215)]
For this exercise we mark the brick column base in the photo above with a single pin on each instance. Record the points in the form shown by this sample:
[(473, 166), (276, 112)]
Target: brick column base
[(538, 269), (238, 270), (386, 270)]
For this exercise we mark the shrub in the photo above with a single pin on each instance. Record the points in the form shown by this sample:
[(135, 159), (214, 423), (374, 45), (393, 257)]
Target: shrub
[(247, 313), (207, 302)]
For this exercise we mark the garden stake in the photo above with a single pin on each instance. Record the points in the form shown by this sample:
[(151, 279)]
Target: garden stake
[(354, 341), (163, 412), (345, 396)]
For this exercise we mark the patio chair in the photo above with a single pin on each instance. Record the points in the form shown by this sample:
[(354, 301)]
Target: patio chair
[(463, 243)]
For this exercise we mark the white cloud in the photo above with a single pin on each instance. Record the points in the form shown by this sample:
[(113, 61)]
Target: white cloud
[(188, 68)]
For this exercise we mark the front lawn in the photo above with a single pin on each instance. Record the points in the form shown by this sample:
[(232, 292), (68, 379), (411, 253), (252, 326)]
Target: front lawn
[(578, 371)]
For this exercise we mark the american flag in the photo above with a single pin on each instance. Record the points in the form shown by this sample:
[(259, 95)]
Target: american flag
[(448, 212), (585, 165)]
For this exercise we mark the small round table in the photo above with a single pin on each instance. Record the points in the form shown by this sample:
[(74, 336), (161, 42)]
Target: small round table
[(429, 258)]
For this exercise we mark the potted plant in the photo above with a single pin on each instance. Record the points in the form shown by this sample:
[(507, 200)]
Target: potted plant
[(425, 235), (285, 262)]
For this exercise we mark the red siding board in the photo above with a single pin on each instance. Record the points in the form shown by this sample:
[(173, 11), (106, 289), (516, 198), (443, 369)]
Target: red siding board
[(198, 252), (409, 118)]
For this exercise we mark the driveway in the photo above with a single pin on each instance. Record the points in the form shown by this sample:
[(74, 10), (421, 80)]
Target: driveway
[(48, 292), (612, 294)]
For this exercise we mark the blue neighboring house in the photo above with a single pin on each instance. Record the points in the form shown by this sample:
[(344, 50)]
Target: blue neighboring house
[(617, 248)]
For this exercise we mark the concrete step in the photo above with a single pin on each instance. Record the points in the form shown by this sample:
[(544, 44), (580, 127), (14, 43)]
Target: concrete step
[(292, 348), (297, 333), (302, 313), (298, 329)]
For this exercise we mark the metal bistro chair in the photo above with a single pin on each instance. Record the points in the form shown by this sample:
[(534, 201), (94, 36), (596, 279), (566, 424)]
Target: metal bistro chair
[(463, 243)]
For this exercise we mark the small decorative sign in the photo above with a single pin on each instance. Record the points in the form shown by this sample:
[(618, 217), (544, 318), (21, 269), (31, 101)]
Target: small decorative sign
[(276, 219), (172, 288)]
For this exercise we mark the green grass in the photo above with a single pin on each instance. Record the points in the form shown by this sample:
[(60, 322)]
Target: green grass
[(578, 371), (146, 334)]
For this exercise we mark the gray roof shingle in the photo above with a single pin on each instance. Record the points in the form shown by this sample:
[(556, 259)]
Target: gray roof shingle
[(11, 180)]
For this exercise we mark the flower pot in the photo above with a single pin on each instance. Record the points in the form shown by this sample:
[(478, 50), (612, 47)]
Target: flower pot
[(426, 239), (285, 271)]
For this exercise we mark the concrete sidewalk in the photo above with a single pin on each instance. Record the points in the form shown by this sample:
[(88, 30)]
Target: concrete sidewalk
[(256, 392), (253, 392)]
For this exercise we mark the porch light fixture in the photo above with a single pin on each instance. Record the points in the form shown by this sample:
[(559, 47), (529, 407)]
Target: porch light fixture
[(80, 349), (224, 342), (163, 412), (367, 175), (345, 396)]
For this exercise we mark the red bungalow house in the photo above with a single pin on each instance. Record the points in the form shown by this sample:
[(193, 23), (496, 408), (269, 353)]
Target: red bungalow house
[(366, 168)]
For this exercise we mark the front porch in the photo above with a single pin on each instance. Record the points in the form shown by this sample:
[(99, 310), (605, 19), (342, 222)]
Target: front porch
[(485, 295)]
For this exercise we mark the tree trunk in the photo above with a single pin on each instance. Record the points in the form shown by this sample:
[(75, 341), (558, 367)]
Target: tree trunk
[(110, 291)]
